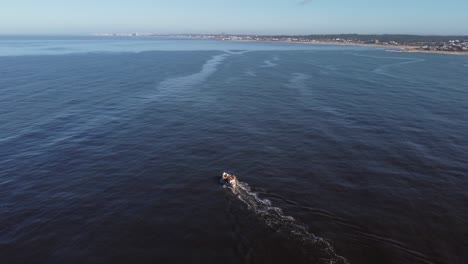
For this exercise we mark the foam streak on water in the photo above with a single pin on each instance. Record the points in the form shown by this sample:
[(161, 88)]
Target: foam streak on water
[(172, 85)]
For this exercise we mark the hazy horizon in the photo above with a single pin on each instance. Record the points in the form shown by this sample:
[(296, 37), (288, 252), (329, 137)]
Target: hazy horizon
[(291, 17), (156, 34)]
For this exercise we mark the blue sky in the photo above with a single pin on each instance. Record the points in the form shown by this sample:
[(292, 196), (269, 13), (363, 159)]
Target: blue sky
[(234, 16)]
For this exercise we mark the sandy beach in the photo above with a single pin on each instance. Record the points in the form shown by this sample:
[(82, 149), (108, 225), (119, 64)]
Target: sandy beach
[(401, 48)]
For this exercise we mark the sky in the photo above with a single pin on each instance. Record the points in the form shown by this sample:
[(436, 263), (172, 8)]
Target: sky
[(440, 17)]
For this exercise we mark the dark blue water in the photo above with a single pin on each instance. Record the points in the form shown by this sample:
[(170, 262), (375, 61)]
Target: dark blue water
[(111, 149)]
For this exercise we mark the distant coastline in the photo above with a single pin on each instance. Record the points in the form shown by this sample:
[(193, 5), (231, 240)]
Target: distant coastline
[(395, 48), (399, 48), (454, 45)]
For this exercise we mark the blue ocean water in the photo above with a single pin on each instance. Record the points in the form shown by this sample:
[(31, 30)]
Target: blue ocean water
[(111, 149)]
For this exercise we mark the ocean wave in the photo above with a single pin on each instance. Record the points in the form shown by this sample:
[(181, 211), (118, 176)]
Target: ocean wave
[(250, 73), (268, 64), (298, 80), (236, 52), (383, 57)]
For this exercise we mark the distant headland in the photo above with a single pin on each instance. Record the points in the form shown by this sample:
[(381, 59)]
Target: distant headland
[(408, 43)]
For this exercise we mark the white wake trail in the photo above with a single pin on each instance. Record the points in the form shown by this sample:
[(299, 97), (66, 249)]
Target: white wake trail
[(275, 218)]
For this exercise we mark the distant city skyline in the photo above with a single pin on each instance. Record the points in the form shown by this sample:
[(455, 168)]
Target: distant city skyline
[(24, 17)]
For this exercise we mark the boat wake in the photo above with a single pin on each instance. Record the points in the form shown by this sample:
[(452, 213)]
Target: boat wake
[(320, 250), (384, 68)]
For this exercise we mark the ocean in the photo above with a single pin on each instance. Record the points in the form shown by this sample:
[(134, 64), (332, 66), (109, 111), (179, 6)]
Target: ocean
[(111, 150)]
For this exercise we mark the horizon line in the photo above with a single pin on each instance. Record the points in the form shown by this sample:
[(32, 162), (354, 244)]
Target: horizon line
[(120, 34)]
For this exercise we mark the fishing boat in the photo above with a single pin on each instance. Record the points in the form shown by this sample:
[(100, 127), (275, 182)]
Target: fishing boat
[(229, 180)]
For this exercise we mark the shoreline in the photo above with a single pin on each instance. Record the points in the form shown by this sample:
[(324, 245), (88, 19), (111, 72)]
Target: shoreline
[(399, 48)]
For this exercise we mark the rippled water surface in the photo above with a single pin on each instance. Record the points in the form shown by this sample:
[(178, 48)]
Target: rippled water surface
[(111, 150)]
